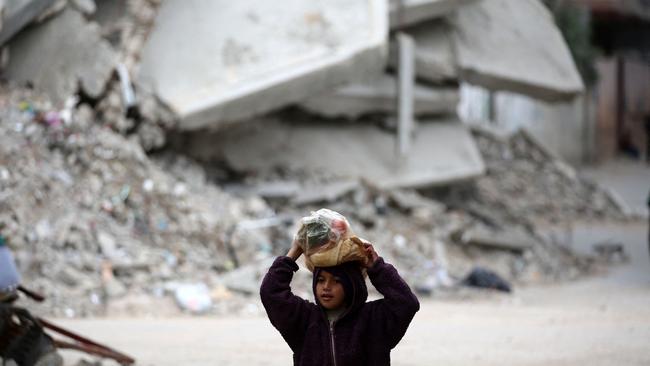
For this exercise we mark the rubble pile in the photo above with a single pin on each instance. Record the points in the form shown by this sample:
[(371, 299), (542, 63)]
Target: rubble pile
[(106, 217), (91, 217), (102, 228), (530, 183)]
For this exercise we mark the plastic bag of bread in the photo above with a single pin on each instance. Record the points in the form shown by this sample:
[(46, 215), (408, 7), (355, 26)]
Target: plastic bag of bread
[(327, 240)]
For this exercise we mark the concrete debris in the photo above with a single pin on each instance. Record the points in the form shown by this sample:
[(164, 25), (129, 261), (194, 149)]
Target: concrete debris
[(522, 178), (192, 225), (59, 55), (52, 10), (149, 224), (379, 97), (408, 200), (435, 60), (16, 14), (225, 74), (499, 42), (507, 239), (324, 193), (278, 189), (408, 12), (87, 7), (342, 151)]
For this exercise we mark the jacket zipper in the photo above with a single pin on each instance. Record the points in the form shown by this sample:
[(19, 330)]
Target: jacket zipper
[(332, 342)]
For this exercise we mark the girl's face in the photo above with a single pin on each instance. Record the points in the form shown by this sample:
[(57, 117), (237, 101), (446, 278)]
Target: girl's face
[(329, 291)]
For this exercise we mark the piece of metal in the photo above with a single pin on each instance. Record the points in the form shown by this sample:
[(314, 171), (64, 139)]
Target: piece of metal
[(86, 345), (31, 294)]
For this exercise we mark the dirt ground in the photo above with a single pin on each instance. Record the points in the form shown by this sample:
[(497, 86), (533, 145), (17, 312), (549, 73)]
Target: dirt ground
[(600, 320)]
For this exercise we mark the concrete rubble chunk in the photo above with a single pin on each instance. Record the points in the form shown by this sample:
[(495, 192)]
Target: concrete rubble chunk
[(380, 96), (217, 69), (514, 45), (16, 14), (408, 12), (441, 152), (277, 189), (60, 54), (507, 239), (409, 200), (87, 7), (434, 56), (325, 193)]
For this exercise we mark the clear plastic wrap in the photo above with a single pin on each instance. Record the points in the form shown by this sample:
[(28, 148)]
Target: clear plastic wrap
[(327, 240)]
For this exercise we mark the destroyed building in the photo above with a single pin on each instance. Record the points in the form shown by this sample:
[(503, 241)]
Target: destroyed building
[(139, 168)]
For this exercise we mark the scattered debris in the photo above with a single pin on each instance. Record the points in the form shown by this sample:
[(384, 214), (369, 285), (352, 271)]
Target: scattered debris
[(610, 251), (484, 278)]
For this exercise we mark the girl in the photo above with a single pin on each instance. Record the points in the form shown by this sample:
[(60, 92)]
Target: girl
[(341, 329)]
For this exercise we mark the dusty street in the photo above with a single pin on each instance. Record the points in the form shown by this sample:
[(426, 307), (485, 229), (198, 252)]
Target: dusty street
[(601, 320)]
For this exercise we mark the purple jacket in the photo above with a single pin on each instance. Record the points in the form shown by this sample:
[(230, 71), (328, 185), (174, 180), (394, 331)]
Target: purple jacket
[(364, 335)]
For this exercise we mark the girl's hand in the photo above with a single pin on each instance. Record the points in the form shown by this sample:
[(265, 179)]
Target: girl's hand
[(371, 253), (295, 252)]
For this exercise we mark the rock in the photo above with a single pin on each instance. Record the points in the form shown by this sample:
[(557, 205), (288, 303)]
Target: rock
[(59, 55), (114, 289), (247, 279), (70, 276), (277, 189), (107, 245), (87, 7), (16, 14), (514, 45), (324, 193), (510, 239)]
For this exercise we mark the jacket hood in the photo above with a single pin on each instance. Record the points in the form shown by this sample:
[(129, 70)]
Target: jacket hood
[(353, 272)]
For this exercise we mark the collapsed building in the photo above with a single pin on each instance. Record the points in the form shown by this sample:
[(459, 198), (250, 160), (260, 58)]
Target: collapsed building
[(152, 154)]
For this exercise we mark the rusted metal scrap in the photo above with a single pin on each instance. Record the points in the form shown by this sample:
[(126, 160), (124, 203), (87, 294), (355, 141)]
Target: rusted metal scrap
[(84, 344), (24, 340)]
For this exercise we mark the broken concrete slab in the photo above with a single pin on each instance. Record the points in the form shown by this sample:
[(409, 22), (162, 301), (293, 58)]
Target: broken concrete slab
[(277, 189), (441, 152), (409, 200), (506, 239), (435, 60), (380, 96), (325, 193), (60, 55), (87, 7), (514, 45), (408, 12), (204, 59), (16, 14)]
